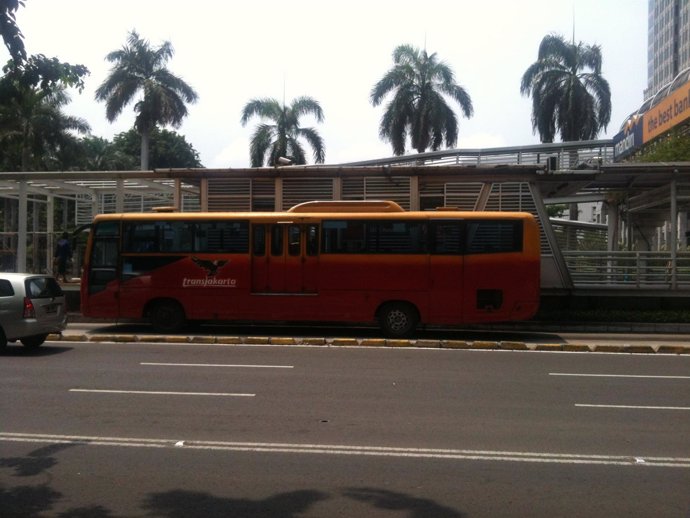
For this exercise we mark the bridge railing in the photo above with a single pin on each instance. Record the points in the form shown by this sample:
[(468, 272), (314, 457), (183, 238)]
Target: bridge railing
[(629, 269)]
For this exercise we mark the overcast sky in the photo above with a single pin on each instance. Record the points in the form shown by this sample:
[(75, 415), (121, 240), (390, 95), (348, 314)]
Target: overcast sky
[(231, 52)]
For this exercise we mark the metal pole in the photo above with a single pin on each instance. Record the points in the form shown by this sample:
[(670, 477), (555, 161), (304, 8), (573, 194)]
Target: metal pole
[(22, 227), (674, 233)]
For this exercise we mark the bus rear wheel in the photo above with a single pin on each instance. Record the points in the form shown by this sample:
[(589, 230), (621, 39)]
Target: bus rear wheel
[(398, 319), (167, 316)]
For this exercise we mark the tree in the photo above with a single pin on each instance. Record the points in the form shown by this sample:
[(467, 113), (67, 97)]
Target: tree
[(140, 69), (35, 130), (9, 30), (281, 139), (420, 83), (99, 154), (569, 94), (674, 147), (168, 149)]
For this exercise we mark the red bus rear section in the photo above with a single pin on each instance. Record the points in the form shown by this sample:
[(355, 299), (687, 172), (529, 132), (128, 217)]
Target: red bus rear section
[(320, 262)]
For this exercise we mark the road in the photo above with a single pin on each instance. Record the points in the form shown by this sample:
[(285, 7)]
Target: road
[(177, 430)]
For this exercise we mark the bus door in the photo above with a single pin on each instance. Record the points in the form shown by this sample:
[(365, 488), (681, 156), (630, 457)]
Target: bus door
[(284, 258), (100, 292)]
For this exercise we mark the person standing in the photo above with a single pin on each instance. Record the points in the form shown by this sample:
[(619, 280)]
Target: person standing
[(63, 253)]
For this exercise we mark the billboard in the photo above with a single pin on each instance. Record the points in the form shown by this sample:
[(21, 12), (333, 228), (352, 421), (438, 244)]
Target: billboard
[(630, 139), (667, 113)]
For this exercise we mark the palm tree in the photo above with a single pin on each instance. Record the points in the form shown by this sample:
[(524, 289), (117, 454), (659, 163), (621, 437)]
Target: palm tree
[(35, 129), (569, 94), (140, 69), (419, 108), (281, 139)]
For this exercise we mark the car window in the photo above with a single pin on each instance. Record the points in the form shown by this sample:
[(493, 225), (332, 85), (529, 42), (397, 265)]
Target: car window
[(42, 287), (6, 289)]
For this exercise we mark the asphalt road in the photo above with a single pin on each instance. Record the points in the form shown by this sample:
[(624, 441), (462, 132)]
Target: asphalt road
[(96, 430)]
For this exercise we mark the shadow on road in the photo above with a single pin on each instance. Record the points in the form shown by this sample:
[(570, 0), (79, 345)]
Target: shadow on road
[(44, 350)]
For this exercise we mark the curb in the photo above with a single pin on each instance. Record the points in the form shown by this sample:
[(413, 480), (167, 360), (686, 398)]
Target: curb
[(371, 342)]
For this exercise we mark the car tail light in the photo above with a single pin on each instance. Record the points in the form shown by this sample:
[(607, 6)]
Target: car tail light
[(29, 310)]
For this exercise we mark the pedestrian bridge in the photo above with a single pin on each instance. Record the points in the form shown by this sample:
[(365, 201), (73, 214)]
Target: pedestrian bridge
[(636, 243)]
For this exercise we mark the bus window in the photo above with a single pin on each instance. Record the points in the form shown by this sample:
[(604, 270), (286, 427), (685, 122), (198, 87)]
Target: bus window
[(312, 240), (383, 237), (230, 237), (397, 237), (276, 240), (259, 240), (104, 256), (294, 240), (445, 237), (492, 237)]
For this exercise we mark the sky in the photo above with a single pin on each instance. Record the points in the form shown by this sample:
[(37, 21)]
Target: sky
[(231, 52)]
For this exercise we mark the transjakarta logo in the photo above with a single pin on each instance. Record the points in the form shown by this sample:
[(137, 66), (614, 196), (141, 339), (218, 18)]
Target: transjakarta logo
[(209, 282)]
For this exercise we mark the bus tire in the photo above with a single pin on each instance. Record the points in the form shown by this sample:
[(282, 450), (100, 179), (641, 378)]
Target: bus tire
[(398, 319), (167, 316)]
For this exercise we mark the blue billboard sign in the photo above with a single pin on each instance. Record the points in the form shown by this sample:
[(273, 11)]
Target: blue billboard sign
[(629, 140)]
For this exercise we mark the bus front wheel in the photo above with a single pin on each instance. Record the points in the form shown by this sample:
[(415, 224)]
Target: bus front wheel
[(398, 319), (167, 316)]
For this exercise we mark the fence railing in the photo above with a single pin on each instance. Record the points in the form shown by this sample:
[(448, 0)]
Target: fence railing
[(629, 269)]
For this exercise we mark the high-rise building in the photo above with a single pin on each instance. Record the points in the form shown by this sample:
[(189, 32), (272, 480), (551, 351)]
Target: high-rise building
[(668, 42)]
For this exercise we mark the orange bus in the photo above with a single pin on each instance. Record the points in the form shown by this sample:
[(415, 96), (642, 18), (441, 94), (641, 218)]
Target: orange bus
[(335, 261)]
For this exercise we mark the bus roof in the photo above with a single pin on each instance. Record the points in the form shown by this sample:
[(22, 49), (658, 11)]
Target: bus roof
[(297, 216)]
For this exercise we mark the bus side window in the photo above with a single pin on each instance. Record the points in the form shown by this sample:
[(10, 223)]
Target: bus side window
[(259, 240), (491, 237), (276, 240), (312, 240), (446, 237), (294, 240)]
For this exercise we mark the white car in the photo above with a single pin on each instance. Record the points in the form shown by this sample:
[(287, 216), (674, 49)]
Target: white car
[(31, 307)]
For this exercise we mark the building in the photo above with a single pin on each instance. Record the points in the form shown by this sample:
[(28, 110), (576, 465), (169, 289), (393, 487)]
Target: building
[(668, 42)]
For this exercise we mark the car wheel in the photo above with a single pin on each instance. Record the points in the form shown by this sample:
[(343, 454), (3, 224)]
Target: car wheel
[(398, 319), (33, 341), (167, 316), (3, 339)]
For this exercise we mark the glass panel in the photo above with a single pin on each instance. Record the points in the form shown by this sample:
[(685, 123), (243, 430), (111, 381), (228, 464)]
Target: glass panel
[(276, 240), (312, 240), (294, 240), (491, 237), (446, 237), (259, 244), (108, 229), (222, 236)]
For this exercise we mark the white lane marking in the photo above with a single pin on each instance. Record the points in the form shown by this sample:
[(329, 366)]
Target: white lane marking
[(634, 407), (336, 449), (574, 374), (161, 393), (218, 365)]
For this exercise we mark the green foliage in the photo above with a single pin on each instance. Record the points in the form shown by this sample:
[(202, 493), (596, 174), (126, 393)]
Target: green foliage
[(43, 72), (140, 68), (569, 94), (419, 109), (35, 133), (9, 30), (673, 148), (168, 150), (556, 211), (282, 138)]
